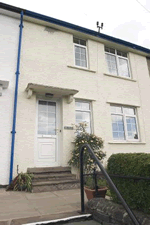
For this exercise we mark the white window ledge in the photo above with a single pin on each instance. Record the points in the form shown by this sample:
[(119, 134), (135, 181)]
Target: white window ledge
[(127, 142), (80, 68), (124, 78)]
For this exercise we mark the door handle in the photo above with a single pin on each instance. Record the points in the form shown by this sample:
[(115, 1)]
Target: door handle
[(57, 130)]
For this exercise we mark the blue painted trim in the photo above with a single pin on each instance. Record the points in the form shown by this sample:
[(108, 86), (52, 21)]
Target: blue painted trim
[(73, 27), (15, 100), (85, 30)]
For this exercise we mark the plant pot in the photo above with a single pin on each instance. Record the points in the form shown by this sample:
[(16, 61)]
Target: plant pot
[(91, 193)]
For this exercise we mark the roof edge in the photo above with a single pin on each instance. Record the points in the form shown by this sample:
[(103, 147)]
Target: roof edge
[(74, 27)]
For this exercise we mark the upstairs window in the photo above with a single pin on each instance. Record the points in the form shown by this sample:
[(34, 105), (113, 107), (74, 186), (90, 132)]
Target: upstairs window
[(117, 62), (124, 123), (80, 50)]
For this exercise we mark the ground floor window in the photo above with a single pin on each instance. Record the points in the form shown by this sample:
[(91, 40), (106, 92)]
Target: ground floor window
[(83, 113), (124, 123)]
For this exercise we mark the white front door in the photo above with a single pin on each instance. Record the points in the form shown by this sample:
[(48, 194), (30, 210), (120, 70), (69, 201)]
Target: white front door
[(47, 134)]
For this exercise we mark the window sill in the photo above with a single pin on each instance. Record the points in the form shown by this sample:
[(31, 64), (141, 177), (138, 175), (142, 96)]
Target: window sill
[(124, 78), (80, 68), (127, 142)]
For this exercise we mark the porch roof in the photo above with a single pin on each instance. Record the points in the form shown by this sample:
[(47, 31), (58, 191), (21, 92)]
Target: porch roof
[(51, 90)]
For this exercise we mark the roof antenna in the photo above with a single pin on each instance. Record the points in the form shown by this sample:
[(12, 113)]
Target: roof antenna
[(99, 27)]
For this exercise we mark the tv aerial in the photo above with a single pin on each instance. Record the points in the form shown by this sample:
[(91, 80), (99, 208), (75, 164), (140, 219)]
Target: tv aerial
[(99, 27)]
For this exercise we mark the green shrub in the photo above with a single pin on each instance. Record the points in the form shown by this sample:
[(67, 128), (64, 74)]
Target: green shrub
[(135, 192), (96, 143)]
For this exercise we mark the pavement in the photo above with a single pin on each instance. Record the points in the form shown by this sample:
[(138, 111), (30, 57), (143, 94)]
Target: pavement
[(18, 208)]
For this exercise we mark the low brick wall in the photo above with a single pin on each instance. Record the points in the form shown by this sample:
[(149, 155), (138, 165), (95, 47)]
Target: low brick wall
[(108, 213)]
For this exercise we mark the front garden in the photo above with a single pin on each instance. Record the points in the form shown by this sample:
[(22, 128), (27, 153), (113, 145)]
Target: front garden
[(130, 173)]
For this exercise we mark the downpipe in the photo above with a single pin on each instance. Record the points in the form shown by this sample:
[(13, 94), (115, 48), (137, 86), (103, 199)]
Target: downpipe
[(13, 132)]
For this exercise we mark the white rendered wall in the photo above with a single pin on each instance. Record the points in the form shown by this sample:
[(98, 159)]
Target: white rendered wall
[(9, 31), (45, 59)]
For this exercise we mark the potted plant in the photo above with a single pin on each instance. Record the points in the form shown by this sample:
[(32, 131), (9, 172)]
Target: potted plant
[(90, 188), (22, 182), (96, 143)]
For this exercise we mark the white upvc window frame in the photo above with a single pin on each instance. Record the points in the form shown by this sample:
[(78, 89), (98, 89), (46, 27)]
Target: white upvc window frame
[(117, 62), (89, 111), (81, 46), (125, 124)]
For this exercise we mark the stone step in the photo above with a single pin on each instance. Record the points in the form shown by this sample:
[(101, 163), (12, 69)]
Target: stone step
[(52, 182), (48, 186), (53, 176), (60, 169), (53, 179)]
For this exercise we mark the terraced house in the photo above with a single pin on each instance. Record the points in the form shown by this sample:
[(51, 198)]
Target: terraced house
[(62, 74)]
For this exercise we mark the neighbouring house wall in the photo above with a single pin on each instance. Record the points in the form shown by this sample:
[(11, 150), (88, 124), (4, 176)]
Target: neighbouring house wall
[(9, 28), (47, 58), (148, 64)]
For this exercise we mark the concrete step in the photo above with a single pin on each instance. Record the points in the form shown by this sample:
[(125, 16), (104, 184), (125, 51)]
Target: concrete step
[(60, 169), (52, 182), (48, 186), (53, 179), (53, 176)]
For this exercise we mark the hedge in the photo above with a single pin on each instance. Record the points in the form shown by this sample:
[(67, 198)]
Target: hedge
[(135, 192)]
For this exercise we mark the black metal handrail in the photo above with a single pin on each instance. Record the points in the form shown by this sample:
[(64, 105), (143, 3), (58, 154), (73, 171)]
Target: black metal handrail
[(110, 182)]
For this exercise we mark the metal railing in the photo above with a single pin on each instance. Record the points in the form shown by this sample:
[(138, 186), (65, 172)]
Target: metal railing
[(108, 179)]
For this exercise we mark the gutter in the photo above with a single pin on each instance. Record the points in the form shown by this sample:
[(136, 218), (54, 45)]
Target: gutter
[(74, 27), (15, 99)]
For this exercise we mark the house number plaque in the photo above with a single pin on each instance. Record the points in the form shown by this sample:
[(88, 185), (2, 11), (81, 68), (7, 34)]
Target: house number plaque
[(68, 128)]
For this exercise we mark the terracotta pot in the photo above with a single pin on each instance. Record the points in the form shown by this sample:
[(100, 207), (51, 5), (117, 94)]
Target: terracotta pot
[(90, 193)]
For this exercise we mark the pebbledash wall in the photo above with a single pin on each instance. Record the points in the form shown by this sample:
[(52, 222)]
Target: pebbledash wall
[(9, 28), (47, 58)]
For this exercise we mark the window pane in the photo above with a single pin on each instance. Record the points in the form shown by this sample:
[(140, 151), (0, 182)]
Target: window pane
[(129, 111), (123, 68), (42, 106), (131, 128), (82, 42), (122, 53), (42, 128), (77, 55), (116, 109), (78, 105), (111, 50), (85, 105), (51, 117), (46, 117), (77, 62), (76, 40), (80, 56), (83, 51), (118, 127), (51, 129), (77, 49), (111, 63), (82, 105), (83, 56), (43, 117), (52, 107), (106, 49), (83, 116)]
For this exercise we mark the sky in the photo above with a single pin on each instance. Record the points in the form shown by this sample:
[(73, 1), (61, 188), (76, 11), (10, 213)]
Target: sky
[(125, 19)]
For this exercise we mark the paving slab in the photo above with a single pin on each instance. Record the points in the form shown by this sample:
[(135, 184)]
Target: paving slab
[(33, 207)]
